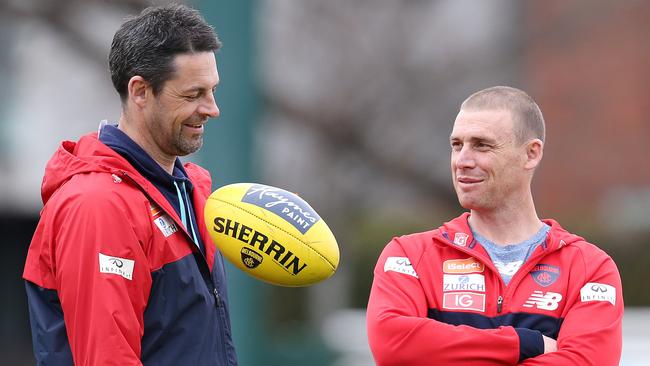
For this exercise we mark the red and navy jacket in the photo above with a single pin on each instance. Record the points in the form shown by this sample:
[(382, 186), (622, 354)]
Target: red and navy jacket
[(437, 299), (113, 277)]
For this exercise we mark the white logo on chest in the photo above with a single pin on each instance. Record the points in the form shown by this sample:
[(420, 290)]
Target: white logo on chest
[(543, 301)]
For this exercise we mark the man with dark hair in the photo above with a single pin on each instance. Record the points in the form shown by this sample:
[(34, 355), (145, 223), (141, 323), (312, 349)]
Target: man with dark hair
[(497, 285), (121, 270)]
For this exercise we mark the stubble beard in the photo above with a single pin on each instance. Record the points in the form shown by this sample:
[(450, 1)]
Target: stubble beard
[(192, 143), (175, 143), (187, 145)]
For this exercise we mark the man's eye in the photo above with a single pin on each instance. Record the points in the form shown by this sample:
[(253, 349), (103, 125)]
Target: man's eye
[(456, 146)]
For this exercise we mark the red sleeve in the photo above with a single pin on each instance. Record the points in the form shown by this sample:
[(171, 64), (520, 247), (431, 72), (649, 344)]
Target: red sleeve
[(103, 295), (591, 333), (400, 333)]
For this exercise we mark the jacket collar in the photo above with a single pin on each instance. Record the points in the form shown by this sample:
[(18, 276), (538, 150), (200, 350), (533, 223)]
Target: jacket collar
[(457, 233)]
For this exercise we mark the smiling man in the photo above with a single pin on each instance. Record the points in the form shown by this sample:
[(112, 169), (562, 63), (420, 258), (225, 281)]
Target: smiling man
[(120, 271), (497, 285)]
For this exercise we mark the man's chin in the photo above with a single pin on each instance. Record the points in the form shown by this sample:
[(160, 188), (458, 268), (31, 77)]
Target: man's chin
[(468, 203), (187, 148)]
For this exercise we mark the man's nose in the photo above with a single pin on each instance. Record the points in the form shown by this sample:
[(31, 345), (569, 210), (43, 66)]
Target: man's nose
[(210, 108), (465, 158)]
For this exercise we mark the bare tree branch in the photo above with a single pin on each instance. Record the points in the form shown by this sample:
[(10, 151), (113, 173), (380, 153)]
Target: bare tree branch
[(56, 15), (347, 137)]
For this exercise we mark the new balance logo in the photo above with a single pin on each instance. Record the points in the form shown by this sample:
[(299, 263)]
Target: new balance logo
[(543, 301)]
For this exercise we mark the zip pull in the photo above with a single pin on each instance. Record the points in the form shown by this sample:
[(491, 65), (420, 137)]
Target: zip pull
[(499, 303), (217, 297)]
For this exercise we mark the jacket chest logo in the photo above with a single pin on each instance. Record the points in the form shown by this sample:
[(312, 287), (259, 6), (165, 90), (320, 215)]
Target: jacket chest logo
[(463, 301), (460, 239), (545, 274), (543, 301), (463, 284), (165, 224), (469, 265)]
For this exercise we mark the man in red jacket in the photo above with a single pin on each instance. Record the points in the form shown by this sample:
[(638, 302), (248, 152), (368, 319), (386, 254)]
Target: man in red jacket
[(120, 270), (497, 285)]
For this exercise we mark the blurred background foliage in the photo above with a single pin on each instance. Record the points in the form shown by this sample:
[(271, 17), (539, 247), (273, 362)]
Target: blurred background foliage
[(350, 105)]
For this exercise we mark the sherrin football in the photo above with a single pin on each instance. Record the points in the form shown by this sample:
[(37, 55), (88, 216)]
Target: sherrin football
[(271, 234)]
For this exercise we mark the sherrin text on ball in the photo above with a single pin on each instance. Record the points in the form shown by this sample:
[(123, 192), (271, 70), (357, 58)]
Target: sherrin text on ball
[(271, 234)]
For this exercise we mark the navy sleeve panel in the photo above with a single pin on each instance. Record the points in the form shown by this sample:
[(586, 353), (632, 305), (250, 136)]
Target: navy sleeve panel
[(531, 343), (529, 327), (546, 325), (49, 337)]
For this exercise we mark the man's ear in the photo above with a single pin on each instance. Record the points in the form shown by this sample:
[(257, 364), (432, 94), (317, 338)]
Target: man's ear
[(534, 153), (139, 91)]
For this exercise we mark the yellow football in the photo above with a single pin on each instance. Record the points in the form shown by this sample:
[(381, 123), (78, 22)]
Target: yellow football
[(271, 234)]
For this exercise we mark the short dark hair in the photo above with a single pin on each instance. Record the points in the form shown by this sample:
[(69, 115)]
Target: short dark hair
[(146, 44), (526, 113)]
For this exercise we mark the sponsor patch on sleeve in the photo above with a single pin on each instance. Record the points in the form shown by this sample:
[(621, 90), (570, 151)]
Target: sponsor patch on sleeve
[(400, 265), (116, 265), (593, 291)]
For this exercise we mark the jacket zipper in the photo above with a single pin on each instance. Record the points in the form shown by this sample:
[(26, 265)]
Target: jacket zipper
[(217, 297), (488, 264), (521, 273), (215, 292), (525, 269), (530, 263)]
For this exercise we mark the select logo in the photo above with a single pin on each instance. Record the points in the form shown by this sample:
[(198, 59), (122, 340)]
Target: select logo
[(469, 265), (464, 301)]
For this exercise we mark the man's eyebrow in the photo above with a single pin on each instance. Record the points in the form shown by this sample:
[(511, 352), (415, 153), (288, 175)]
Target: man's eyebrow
[(474, 139), (482, 139), (199, 88)]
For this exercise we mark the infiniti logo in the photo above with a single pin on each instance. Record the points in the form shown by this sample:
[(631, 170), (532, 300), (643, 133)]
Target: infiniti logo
[(117, 262), (594, 291), (598, 288), (116, 266)]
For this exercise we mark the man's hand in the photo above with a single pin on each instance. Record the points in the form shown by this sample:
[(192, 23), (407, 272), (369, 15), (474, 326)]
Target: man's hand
[(550, 344)]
